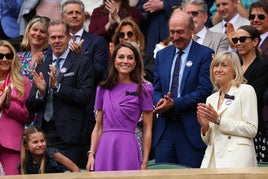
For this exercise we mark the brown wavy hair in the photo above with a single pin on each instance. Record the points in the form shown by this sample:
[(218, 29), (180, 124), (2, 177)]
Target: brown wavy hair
[(139, 36), (135, 75)]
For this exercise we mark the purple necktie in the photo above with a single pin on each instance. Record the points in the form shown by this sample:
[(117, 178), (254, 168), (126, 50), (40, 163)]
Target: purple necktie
[(175, 77)]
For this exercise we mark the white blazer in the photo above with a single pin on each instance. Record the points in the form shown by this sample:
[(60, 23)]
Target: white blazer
[(230, 144)]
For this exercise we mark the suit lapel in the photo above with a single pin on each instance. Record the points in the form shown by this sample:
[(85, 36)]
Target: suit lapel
[(67, 65), (85, 43), (166, 64), (227, 102), (208, 39), (264, 44), (189, 60)]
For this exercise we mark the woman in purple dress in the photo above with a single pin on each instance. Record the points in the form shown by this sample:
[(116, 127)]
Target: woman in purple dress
[(120, 100)]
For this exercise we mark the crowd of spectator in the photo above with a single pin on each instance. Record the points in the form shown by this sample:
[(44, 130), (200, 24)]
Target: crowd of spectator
[(171, 80)]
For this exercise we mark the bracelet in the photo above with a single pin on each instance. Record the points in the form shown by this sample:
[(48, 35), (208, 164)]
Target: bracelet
[(118, 21), (91, 152)]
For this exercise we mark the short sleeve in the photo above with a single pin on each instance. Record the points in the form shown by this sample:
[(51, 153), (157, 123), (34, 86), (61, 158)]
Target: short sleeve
[(146, 97), (99, 98)]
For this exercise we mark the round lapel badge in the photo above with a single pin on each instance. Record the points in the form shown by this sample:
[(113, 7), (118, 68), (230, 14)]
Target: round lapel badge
[(228, 102), (189, 63), (63, 70)]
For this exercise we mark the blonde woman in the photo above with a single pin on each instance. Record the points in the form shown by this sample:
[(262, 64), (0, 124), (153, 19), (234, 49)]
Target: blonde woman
[(14, 90), (229, 119), (34, 45)]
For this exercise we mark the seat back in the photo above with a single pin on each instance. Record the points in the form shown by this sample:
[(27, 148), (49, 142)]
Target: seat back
[(166, 166)]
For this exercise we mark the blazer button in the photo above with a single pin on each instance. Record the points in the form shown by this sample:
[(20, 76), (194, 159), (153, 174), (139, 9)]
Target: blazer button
[(229, 137)]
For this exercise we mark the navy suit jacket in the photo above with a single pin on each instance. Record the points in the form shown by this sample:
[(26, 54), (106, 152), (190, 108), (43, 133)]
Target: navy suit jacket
[(70, 103), (155, 25), (195, 88), (264, 49), (95, 48)]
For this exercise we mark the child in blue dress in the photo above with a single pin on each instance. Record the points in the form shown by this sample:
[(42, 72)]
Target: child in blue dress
[(37, 158)]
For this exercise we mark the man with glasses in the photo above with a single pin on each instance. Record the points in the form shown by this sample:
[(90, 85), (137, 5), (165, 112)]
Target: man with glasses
[(202, 35), (227, 10), (258, 17)]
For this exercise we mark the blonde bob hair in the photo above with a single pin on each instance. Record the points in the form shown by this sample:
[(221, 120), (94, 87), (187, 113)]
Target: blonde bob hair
[(233, 60)]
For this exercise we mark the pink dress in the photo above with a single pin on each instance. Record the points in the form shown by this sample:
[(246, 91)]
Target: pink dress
[(122, 106)]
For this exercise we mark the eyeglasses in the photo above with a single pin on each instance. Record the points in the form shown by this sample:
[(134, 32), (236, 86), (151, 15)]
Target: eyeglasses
[(9, 56), (260, 16), (241, 39), (194, 13), (42, 17), (129, 34)]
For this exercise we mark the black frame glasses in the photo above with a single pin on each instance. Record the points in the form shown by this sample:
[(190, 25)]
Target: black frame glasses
[(9, 56), (129, 34), (194, 13), (241, 39), (260, 16)]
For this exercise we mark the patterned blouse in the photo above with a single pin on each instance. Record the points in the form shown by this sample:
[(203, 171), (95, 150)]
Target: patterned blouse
[(25, 58), (51, 166)]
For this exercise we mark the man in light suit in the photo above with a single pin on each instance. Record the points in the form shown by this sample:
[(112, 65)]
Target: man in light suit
[(176, 137), (61, 97), (227, 10), (198, 10)]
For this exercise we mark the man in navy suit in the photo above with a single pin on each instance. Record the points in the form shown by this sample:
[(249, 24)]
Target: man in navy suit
[(155, 15), (62, 90), (93, 46), (176, 130)]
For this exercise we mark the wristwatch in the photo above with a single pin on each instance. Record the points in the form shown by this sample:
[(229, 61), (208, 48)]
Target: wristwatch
[(55, 89), (218, 121)]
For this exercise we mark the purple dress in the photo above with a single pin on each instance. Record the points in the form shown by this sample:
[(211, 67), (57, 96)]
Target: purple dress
[(118, 147)]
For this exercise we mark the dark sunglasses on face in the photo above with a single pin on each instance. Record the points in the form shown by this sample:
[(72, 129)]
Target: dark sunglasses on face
[(9, 56), (129, 34), (241, 39), (194, 13), (260, 16)]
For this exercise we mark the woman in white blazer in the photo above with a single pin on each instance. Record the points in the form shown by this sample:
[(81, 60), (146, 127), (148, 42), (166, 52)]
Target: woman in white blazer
[(229, 119)]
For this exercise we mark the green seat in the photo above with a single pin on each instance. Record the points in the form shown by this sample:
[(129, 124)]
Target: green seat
[(166, 166), (262, 164)]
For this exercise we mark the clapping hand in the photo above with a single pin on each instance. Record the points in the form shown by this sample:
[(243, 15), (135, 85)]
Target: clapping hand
[(164, 104), (76, 46), (153, 6), (39, 82)]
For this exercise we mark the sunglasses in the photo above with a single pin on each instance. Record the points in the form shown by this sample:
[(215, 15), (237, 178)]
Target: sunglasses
[(9, 56), (194, 13), (260, 16), (129, 34), (42, 17), (241, 39)]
